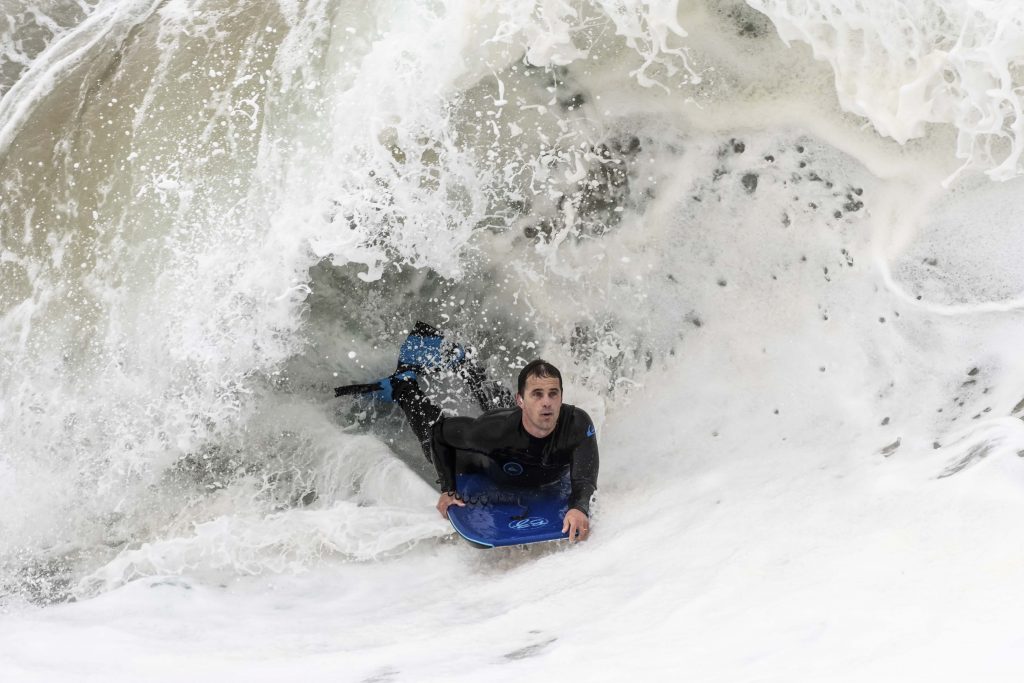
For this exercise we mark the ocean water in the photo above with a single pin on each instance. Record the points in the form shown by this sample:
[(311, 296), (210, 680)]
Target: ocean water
[(774, 247)]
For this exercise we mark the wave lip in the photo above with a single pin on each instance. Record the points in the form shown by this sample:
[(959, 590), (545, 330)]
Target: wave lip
[(909, 64)]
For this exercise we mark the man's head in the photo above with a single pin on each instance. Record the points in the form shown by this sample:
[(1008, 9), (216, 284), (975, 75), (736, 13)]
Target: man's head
[(540, 396)]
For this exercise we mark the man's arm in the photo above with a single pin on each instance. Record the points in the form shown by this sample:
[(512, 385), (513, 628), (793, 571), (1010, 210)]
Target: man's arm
[(481, 434), (447, 436), (444, 463), (444, 457), (583, 466)]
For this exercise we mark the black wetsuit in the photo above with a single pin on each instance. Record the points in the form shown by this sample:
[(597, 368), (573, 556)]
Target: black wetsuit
[(497, 443)]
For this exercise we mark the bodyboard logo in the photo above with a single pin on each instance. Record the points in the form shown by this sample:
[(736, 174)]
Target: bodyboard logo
[(528, 523), (512, 468)]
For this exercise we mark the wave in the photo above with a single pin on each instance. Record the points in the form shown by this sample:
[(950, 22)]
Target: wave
[(216, 211)]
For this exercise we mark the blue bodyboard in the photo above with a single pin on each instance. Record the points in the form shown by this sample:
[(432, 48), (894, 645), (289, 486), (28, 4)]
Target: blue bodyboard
[(497, 515)]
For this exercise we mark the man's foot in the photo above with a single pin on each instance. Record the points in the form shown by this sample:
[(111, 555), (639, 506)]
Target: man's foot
[(426, 350), (382, 390)]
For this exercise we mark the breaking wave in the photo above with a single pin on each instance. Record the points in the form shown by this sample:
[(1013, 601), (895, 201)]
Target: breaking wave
[(214, 211)]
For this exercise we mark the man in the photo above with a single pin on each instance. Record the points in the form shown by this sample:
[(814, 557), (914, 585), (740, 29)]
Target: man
[(529, 442)]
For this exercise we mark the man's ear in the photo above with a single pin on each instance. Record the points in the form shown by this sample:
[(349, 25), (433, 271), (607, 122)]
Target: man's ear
[(519, 400)]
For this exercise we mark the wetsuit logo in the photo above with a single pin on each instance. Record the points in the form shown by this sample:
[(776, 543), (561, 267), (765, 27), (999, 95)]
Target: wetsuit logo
[(512, 468), (528, 523), (591, 431)]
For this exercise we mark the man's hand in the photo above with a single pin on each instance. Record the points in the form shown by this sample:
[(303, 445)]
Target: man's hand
[(576, 522), (448, 499)]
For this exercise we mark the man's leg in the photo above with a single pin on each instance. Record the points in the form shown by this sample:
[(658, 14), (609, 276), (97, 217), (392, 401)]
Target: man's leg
[(426, 350), (419, 410)]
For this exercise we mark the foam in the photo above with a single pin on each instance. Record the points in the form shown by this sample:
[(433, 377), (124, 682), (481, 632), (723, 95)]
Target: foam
[(904, 66), (285, 542), (932, 268)]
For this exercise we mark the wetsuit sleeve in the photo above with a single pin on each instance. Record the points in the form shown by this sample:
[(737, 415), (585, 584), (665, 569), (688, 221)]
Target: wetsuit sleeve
[(444, 458), (448, 435), (583, 466)]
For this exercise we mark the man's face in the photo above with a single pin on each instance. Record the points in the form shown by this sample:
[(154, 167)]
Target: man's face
[(541, 401)]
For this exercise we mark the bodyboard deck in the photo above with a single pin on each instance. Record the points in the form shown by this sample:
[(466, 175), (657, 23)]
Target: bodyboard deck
[(497, 515)]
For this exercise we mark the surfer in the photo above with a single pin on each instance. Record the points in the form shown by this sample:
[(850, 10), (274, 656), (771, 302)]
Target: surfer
[(529, 439)]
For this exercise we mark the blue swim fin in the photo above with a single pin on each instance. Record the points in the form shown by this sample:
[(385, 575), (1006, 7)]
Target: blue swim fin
[(382, 390), (426, 350)]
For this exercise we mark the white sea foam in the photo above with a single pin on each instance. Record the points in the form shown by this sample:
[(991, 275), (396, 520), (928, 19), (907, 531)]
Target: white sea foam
[(905, 65)]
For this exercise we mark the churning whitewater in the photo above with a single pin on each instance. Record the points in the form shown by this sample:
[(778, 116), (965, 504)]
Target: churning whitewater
[(774, 247)]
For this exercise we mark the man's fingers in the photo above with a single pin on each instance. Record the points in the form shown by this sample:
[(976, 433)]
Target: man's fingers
[(573, 528), (447, 501), (577, 524)]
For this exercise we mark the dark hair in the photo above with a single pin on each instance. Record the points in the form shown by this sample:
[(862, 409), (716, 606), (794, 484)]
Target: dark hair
[(538, 368)]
